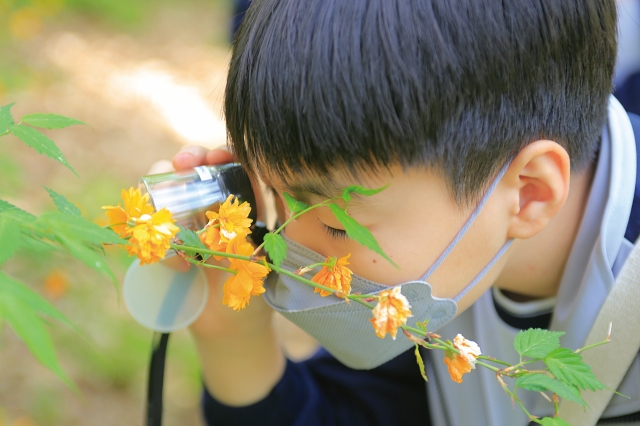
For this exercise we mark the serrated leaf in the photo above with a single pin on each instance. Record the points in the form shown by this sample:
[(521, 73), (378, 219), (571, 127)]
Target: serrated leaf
[(191, 239), (357, 189), (40, 143), (357, 232), (49, 121), (420, 363), (569, 368), (88, 255), (10, 237), (31, 298), (15, 213), (294, 205), (276, 248), (77, 228), (64, 205), (537, 343), (542, 383), (554, 421), (31, 329), (6, 120)]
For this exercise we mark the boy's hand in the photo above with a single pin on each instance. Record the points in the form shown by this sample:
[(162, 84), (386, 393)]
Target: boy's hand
[(216, 318), (192, 156), (240, 357)]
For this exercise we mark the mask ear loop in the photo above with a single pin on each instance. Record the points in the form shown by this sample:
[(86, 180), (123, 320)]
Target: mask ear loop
[(482, 273), (466, 226)]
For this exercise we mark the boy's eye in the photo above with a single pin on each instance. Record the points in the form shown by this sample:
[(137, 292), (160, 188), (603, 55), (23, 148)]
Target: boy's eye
[(338, 234)]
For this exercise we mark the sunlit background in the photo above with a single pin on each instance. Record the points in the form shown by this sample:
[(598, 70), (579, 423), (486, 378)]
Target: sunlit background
[(147, 77)]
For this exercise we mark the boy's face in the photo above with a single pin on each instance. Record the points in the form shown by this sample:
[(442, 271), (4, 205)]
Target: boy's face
[(414, 219)]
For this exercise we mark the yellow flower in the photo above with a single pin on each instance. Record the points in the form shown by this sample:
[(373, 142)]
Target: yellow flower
[(391, 312), (151, 236), (336, 276), (233, 219), (463, 362), (248, 278), (135, 206), (211, 238), (149, 233)]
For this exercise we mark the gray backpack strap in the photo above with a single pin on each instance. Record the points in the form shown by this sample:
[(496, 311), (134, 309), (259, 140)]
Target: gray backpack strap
[(610, 362)]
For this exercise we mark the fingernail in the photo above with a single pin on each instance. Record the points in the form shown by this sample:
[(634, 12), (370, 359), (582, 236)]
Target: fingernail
[(191, 150)]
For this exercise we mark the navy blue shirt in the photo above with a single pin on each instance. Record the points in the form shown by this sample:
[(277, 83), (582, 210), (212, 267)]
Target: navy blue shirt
[(321, 391)]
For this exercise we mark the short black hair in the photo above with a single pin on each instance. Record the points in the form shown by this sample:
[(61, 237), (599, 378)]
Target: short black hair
[(461, 85)]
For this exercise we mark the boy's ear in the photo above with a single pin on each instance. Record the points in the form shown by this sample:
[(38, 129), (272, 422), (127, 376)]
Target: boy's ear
[(539, 177)]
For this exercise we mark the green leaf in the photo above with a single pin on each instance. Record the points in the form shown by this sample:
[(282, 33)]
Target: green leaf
[(77, 228), (294, 205), (537, 343), (554, 421), (31, 329), (420, 363), (275, 246), (11, 238), (12, 219), (40, 143), (50, 121), (357, 232), (191, 239), (357, 189), (80, 237), (6, 120), (31, 298), (15, 213), (542, 383), (88, 255), (569, 368), (64, 205)]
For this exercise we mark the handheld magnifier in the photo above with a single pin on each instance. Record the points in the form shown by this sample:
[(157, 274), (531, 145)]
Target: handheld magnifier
[(163, 299)]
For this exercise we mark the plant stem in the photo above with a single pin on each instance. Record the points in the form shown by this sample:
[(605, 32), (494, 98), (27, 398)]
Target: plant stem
[(492, 359), (208, 265), (604, 342), (180, 247), (309, 282), (294, 217)]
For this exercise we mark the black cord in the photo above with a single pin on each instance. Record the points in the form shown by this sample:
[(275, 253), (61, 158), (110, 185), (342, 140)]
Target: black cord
[(156, 379)]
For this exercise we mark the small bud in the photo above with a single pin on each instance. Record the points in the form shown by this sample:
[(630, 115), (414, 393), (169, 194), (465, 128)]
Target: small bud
[(303, 270), (341, 295)]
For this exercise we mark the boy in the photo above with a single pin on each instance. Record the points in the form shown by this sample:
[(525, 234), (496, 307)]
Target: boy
[(453, 105)]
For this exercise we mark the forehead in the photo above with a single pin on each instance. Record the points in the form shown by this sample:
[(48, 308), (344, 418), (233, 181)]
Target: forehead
[(326, 185), (401, 184)]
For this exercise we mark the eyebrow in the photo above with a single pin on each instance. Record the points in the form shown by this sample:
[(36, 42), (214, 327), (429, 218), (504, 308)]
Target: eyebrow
[(301, 190), (324, 188)]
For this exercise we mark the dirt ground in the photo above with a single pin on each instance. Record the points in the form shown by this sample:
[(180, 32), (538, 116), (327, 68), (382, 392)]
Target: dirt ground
[(143, 96)]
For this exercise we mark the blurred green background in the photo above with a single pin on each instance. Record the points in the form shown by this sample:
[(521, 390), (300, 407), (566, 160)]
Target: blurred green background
[(147, 77)]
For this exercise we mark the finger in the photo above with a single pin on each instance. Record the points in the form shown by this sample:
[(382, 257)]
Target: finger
[(162, 166), (220, 156), (190, 156)]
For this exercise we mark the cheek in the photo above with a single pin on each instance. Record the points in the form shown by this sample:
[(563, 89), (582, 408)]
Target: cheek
[(407, 251), (413, 248)]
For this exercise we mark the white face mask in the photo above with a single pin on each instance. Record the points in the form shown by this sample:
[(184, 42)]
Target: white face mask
[(344, 330)]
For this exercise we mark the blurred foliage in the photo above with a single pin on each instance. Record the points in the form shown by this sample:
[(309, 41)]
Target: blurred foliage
[(22, 21), (12, 181), (110, 353), (102, 348)]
